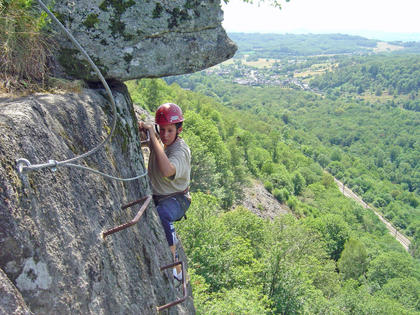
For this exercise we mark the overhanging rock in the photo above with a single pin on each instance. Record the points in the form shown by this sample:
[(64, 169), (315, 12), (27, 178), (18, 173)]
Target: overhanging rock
[(136, 39)]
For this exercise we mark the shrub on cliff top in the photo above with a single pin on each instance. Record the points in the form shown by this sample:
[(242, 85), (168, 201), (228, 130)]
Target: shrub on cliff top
[(24, 48)]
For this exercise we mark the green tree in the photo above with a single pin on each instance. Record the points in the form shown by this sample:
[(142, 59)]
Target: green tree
[(238, 301), (153, 94), (298, 183), (204, 174), (282, 195), (336, 155), (327, 180), (223, 256), (335, 232), (282, 180), (353, 261), (295, 264), (404, 290), (390, 265), (211, 142)]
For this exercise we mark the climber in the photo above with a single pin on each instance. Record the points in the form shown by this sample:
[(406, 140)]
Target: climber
[(169, 171)]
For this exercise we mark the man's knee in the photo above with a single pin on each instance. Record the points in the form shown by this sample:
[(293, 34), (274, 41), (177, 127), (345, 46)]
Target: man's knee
[(163, 213)]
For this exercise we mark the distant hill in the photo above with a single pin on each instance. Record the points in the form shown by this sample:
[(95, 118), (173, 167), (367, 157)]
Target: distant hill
[(282, 45)]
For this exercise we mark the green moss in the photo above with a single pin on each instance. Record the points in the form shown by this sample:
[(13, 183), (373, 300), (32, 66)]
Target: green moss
[(11, 172), (72, 65), (104, 6), (193, 5), (107, 129), (122, 133), (157, 11), (116, 26), (79, 68), (128, 58), (91, 20), (177, 16), (119, 7), (140, 33), (127, 129), (62, 17), (128, 37)]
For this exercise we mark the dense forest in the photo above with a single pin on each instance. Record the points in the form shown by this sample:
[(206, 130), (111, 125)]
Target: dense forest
[(369, 140), (329, 256), (292, 45), (276, 45), (396, 75), (293, 133)]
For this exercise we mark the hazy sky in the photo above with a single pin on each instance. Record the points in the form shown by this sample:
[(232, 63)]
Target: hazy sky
[(361, 17)]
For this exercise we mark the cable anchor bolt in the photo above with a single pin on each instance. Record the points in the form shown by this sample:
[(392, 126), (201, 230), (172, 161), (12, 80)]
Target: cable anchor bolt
[(22, 165), (53, 165)]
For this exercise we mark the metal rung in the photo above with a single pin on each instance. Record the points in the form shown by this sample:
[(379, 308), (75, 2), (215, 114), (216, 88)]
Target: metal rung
[(132, 222), (184, 286), (147, 137)]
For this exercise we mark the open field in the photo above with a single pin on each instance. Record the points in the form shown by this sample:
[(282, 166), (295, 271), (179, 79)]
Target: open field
[(314, 70), (386, 47)]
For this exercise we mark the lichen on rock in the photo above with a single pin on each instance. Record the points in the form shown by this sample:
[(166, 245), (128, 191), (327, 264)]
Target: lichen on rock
[(166, 37)]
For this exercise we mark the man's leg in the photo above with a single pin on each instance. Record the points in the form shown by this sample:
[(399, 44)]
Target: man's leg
[(169, 210)]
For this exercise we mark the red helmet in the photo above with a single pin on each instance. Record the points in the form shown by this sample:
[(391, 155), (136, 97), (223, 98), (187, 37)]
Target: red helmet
[(168, 113)]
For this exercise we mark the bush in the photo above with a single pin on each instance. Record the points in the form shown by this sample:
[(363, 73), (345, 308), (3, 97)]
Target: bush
[(327, 180), (24, 49), (292, 202), (282, 195), (298, 183), (268, 185)]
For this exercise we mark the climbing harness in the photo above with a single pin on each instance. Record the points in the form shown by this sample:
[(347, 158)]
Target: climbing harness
[(24, 165)]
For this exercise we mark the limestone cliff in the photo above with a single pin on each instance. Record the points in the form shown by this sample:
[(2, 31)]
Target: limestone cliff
[(50, 222)]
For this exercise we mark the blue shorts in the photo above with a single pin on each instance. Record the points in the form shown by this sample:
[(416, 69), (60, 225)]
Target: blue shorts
[(172, 209)]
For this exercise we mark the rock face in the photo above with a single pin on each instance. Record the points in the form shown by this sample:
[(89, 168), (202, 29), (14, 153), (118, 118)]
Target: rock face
[(51, 251), (261, 202), (130, 39), (11, 301)]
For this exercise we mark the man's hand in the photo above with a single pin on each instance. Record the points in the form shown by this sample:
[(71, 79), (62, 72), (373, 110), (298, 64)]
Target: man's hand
[(143, 126), (146, 131), (165, 166)]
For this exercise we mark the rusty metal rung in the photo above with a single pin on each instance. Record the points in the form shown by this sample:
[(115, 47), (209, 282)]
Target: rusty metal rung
[(132, 222), (184, 286)]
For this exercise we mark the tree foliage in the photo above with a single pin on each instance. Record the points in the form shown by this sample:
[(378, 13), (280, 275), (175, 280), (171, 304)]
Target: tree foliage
[(353, 260), (329, 256)]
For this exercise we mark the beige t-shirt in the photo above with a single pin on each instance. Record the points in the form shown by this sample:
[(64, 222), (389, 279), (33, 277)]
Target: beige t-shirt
[(179, 155)]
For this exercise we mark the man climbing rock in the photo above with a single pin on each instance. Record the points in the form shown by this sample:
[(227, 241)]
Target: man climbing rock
[(169, 170)]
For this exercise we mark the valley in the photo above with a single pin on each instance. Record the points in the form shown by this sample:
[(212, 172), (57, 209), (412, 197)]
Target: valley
[(267, 225)]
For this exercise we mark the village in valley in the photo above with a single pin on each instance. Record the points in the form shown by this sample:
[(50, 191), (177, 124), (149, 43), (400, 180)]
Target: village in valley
[(263, 72)]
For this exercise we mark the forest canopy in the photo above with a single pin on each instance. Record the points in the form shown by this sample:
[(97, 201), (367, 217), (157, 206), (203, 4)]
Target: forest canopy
[(294, 122), (298, 263)]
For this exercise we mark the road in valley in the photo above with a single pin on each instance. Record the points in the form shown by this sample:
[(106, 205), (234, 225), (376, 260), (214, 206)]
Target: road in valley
[(405, 242)]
